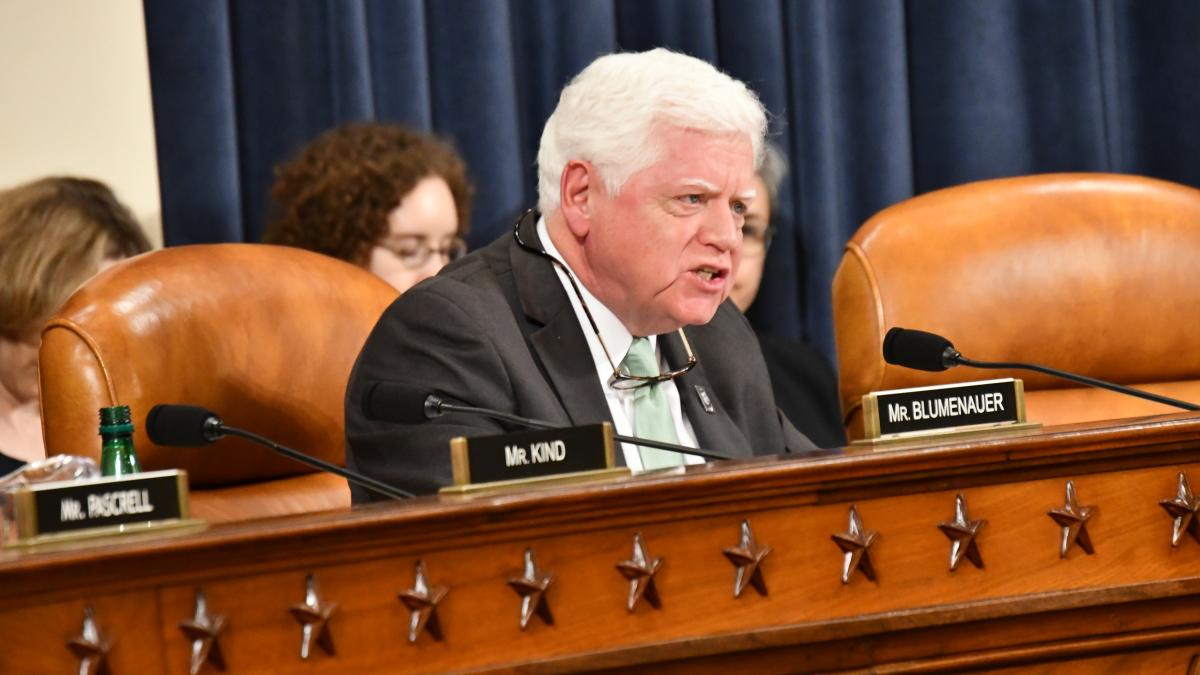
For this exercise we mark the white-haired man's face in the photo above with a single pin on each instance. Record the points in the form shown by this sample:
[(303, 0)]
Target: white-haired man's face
[(666, 249)]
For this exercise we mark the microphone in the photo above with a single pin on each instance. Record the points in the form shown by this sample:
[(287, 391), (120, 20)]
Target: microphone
[(409, 404), (183, 426), (190, 426), (918, 350), (926, 351)]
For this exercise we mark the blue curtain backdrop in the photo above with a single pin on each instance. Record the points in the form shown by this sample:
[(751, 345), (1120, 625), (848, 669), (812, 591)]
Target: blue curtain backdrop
[(873, 100)]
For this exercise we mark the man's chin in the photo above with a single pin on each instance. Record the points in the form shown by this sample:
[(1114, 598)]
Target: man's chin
[(697, 315), (671, 317)]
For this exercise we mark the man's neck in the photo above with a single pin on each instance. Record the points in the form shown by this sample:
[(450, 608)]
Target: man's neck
[(570, 251)]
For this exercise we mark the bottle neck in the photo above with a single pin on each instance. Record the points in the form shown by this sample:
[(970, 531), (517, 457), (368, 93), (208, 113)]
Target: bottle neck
[(122, 439), (117, 456)]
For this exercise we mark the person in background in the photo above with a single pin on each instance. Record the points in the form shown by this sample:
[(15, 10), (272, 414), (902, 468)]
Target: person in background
[(805, 385), (55, 234), (383, 197)]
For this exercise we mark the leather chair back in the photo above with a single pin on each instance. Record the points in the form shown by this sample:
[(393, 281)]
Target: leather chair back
[(263, 335), (1090, 273)]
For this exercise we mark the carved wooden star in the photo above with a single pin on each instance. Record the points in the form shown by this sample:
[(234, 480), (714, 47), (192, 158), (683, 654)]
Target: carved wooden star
[(422, 603), (747, 557), (313, 615), (856, 547), (640, 572), (532, 589), (1073, 519), (1183, 509), (91, 646), (962, 532), (203, 630)]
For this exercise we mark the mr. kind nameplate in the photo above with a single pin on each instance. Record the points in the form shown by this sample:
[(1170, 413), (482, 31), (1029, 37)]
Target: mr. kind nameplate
[(526, 455), (113, 504), (902, 413)]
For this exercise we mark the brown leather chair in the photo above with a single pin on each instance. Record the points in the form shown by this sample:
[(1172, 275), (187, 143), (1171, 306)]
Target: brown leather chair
[(1091, 273), (263, 335)]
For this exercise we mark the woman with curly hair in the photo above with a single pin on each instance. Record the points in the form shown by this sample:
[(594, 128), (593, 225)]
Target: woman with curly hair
[(383, 197)]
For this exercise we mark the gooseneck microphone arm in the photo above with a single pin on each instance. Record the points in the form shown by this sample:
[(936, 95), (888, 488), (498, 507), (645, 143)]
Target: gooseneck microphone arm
[(365, 482), (435, 406), (1082, 379), (931, 352), (189, 426)]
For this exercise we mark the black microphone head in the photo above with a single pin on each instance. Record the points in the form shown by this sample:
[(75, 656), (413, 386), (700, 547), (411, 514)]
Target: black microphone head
[(918, 349), (399, 402), (185, 426)]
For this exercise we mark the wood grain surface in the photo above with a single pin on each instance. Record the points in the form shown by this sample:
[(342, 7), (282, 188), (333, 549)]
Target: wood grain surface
[(1135, 600)]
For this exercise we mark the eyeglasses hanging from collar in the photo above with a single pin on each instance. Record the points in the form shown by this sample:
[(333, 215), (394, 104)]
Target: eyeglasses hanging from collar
[(619, 379)]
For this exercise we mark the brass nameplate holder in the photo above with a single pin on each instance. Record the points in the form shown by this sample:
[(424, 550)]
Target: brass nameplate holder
[(533, 458), (79, 509), (945, 410)]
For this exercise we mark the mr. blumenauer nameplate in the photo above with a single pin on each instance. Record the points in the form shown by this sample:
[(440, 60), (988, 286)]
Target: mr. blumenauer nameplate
[(966, 406)]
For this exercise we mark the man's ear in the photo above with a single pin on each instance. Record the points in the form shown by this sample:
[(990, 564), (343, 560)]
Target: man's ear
[(575, 194)]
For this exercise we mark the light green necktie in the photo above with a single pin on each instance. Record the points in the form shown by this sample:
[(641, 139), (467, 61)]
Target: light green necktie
[(651, 411)]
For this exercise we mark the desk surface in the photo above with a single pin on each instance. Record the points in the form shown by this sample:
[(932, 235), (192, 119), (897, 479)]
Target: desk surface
[(1134, 596)]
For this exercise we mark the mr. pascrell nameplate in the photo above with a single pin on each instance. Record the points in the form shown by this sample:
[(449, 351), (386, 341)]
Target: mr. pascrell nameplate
[(543, 455), (967, 406), (90, 507)]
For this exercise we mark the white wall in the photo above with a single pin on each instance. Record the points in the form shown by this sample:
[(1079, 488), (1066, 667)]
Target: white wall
[(75, 98)]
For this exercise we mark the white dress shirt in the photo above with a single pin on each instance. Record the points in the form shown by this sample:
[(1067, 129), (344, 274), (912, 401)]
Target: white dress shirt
[(618, 339)]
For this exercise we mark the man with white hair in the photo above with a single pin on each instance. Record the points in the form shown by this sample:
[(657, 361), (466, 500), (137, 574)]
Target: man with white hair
[(611, 306)]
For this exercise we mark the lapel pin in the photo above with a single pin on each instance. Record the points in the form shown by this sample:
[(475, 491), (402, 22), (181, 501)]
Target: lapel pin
[(704, 399)]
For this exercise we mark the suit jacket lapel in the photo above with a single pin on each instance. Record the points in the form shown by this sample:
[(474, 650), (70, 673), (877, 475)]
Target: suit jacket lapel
[(562, 352), (557, 339), (714, 430)]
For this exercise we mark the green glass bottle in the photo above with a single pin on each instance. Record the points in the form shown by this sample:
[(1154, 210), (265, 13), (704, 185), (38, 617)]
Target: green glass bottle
[(117, 457)]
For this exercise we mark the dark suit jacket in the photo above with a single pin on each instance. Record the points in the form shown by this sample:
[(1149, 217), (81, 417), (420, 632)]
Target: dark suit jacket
[(806, 389), (496, 330), (9, 464)]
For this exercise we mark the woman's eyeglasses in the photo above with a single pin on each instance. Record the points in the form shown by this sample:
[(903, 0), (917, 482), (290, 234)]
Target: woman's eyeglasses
[(414, 250), (756, 238)]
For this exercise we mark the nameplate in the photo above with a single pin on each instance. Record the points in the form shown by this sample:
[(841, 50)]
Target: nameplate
[(98, 505), (903, 413), (532, 455)]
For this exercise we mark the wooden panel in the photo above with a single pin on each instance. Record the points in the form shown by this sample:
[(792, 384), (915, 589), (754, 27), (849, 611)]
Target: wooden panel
[(1020, 548), (36, 637), (1177, 661), (1136, 595), (952, 641)]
